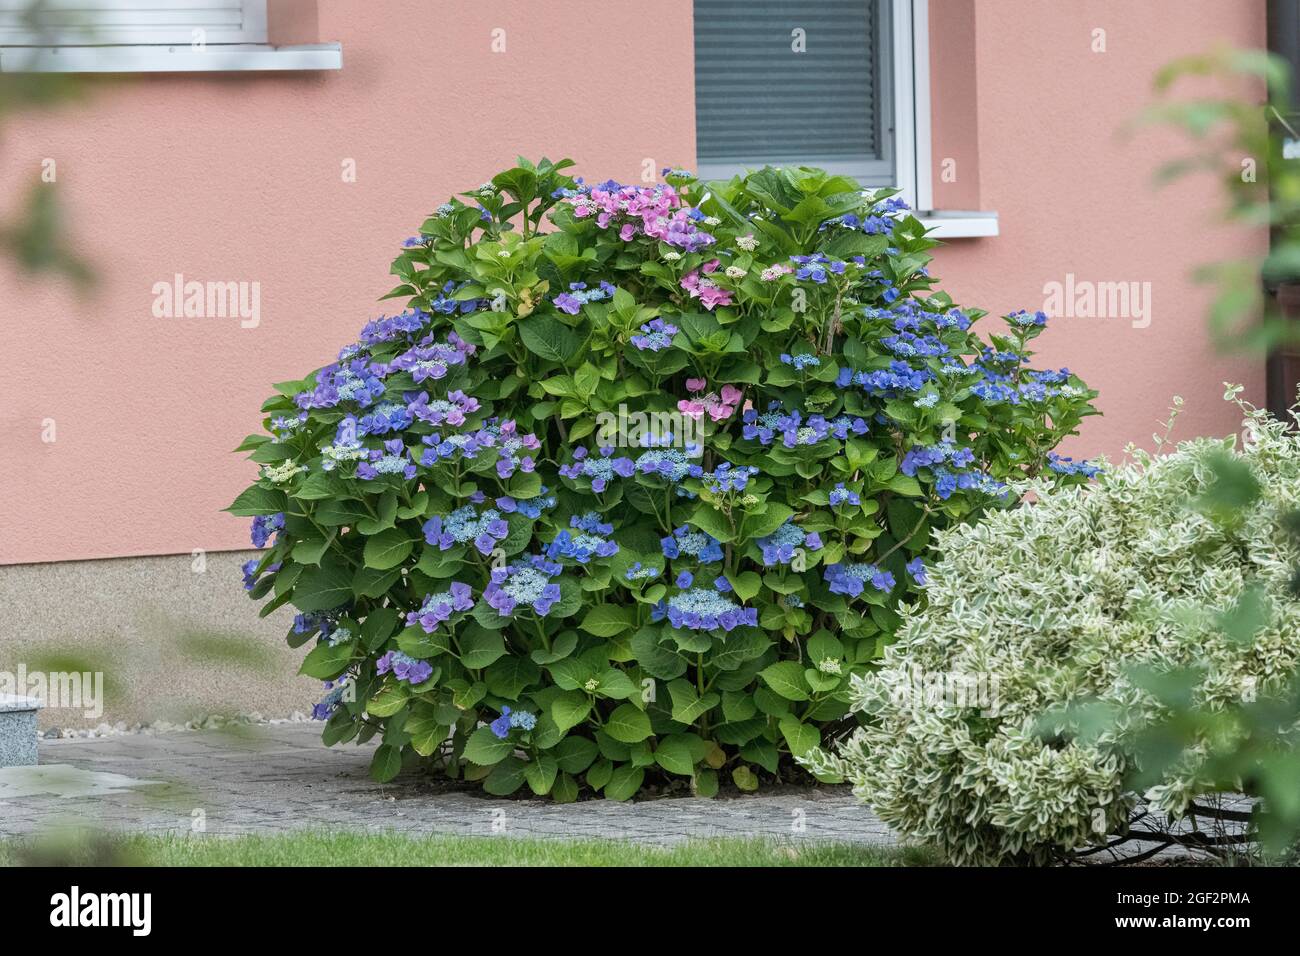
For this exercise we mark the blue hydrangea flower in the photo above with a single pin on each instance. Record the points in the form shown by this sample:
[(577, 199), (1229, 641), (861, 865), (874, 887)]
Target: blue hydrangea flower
[(326, 706), (264, 526), (1068, 466), (639, 572), (433, 360), (898, 379), (692, 543), (466, 524), (528, 507), (404, 667), (579, 295), (450, 410), (764, 427), (849, 578), (671, 464), (600, 471), (704, 609), (916, 568), (384, 418), (390, 328), (1028, 320), (726, 478), (656, 335), (439, 607), (523, 719), (391, 459), (949, 468), (779, 547), (589, 539), (501, 726), (801, 361), (840, 495), (527, 582), (250, 572)]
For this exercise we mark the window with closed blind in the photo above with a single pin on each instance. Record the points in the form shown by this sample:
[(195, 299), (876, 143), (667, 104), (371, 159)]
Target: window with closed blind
[(795, 81), (90, 36), (131, 22)]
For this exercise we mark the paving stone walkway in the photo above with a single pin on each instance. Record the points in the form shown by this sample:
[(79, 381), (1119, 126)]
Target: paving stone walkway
[(273, 778)]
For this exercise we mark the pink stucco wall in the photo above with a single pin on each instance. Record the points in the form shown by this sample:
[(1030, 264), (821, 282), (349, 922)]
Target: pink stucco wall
[(1075, 195), (238, 177)]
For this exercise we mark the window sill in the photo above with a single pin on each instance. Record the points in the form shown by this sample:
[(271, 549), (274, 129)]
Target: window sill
[(215, 58), (955, 224)]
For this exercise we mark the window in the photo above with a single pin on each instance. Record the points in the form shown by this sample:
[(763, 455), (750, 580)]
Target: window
[(131, 22), (788, 82), (144, 35), (841, 84)]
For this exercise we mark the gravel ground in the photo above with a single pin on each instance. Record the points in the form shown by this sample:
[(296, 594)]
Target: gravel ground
[(264, 778)]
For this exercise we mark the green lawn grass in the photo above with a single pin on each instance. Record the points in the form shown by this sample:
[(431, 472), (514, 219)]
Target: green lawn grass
[(311, 848)]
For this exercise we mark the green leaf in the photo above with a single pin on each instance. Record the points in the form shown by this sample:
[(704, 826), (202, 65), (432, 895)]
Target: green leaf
[(540, 774), (379, 626), (389, 699), (688, 706), (801, 737), (549, 338), (326, 662), (259, 501), (368, 582), (746, 585), (386, 763), (506, 777), (624, 782), (676, 755), (628, 724), (655, 659), (575, 754), (387, 549), (570, 709), (323, 588), (507, 678), (608, 620), (565, 789), (712, 522), (786, 678), (481, 647), (599, 774), (415, 642), (485, 748), (744, 778), (706, 783), (427, 732)]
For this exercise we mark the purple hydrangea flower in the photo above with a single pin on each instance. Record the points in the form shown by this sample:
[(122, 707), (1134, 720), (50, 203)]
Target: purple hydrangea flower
[(404, 667), (439, 607), (600, 471), (464, 525), (527, 582), (264, 526)]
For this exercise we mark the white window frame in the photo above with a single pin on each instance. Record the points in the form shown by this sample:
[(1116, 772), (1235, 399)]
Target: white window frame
[(157, 50), (905, 124), (912, 164)]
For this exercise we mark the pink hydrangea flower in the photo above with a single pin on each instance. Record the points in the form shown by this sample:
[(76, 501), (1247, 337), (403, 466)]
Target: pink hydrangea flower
[(706, 290)]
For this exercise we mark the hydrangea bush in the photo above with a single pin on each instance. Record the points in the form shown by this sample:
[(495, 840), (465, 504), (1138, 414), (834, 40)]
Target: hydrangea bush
[(638, 479), (1064, 613)]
